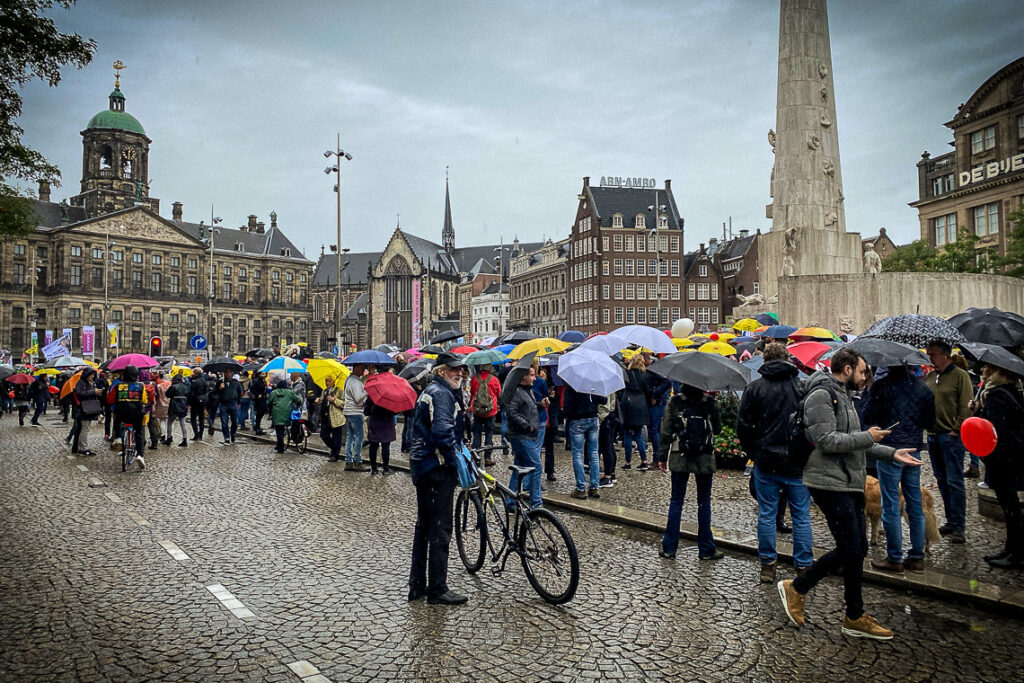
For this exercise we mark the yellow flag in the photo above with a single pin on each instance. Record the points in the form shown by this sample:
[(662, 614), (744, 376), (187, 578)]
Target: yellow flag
[(33, 350)]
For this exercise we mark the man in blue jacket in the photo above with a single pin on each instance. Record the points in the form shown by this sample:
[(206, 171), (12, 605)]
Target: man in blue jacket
[(437, 426)]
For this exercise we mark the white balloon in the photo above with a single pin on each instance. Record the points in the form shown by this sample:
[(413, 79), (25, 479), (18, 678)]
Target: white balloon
[(682, 328)]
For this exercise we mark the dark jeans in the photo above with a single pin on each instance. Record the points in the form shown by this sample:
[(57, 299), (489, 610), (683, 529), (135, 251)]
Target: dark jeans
[(407, 431), (654, 415), (844, 512), (385, 455), (280, 431), (606, 444), (483, 426), (433, 535), (197, 418), (947, 455), (229, 413), (705, 539), (1014, 517), (549, 448), (337, 441), (40, 409), (261, 411)]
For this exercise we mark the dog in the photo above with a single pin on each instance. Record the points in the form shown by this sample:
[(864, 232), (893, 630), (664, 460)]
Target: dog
[(873, 511)]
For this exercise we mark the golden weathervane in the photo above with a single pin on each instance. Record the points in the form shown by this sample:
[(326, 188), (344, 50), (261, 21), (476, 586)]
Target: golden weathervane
[(118, 65)]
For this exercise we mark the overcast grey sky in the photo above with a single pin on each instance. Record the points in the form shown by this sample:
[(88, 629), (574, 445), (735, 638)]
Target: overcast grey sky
[(520, 99)]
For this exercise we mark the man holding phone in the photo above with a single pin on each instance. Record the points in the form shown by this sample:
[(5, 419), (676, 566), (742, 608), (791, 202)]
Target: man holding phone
[(835, 474), (903, 398)]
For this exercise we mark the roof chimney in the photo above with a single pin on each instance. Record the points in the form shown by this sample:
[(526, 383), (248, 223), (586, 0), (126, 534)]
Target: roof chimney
[(259, 228), (586, 181), (881, 232), (744, 233), (44, 190), (252, 223), (713, 241), (176, 211), (668, 184)]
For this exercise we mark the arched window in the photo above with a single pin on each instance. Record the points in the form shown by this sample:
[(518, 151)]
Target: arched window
[(641, 221), (106, 158), (318, 308)]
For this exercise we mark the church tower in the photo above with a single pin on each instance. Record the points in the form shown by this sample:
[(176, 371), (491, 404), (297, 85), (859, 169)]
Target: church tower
[(115, 159), (448, 233)]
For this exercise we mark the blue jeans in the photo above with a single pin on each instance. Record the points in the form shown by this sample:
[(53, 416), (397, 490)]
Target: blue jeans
[(483, 427), (541, 432), (705, 540), (228, 420), (584, 433), (525, 453), (890, 478), (655, 414), (631, 434), (947, 455), (245, 412), (768, 488), (354, 444)]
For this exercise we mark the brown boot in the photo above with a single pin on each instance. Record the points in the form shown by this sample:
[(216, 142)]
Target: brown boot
[(887, 565), (972, 472), (792, 602), (865, 627), (916, 566)]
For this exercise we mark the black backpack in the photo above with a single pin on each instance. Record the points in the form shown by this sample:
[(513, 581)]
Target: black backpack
[(799, 446), (695, 435)]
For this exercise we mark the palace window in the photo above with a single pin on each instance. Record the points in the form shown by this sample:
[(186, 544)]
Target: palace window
[(136, 257), (117, 256), (190, 285), (191, 263), (641, 221), (945, 229), (983, 140), (97, 252), (227, 290), (137, 316), (190, 318), (19, 249), (117, 279), (136, 279), (156, 282), (172, 286), (154, 317), (157, 259), (986, 219), (175, 261), (227, 271), (75, 251), (97, 277), (173, 318), (76, 276), (19, 273)]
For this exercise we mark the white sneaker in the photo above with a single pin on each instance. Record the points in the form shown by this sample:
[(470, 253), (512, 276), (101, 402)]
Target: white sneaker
[(142, 462), (983, 485), (223, 443)]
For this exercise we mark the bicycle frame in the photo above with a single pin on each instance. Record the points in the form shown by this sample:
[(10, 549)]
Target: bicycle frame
[(486, 486)]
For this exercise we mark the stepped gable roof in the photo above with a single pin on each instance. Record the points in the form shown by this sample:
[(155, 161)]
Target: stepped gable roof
[(270, 243), (356, 273), (629, 202), (357, 308), (55, 215)]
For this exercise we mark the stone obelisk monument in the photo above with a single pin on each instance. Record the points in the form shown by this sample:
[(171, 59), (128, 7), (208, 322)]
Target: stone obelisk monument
[(808, 234)]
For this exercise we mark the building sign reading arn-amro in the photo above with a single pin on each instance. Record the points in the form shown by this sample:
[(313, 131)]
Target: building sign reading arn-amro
[(640, 183)]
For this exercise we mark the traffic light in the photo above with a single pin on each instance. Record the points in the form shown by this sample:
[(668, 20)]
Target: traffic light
[(155, 346)]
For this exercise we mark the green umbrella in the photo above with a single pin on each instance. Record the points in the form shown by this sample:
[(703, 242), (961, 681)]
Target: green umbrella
[(486, 357)]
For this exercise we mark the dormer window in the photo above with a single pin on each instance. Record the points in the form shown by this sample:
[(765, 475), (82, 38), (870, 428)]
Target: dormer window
[(641, 221), (617, 220), (663, 221), (286, 252), (239, 246)]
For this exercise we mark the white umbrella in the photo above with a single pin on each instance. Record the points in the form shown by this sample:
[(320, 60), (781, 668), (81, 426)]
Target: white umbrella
[(591, 372), (647, 337), (65, 362), (608, 344)]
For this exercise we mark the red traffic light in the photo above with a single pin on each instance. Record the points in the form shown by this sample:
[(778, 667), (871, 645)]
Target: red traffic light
[(155, 345)]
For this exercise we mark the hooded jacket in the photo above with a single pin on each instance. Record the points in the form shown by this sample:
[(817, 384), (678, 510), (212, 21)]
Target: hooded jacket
[(437, 424), (838, 460), (762, 422), (177, 397), (900, 397)]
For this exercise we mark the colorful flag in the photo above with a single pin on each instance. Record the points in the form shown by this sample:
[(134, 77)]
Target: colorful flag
[(112, 329), (88, 340)]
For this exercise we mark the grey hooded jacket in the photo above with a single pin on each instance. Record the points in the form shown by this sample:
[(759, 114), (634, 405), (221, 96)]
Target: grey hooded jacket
[(840, 447)]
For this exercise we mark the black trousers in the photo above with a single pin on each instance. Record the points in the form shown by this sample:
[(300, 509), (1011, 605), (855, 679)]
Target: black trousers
[(844, 512), (280, 431), (549, 447), (385, 455), (261, 411), (197, 418), (1014, 517), (606, 443), (432, 538)]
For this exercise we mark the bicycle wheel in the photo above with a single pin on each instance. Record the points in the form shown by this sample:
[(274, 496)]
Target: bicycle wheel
[(496, 521), (303, 443), (128, 451), (470, 530), (549, 556)]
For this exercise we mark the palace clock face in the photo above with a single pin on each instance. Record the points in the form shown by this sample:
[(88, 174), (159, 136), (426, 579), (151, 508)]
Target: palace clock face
[(128, 154)]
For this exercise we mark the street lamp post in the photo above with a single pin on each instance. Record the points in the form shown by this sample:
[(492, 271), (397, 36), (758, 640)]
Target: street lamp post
[(338, 153), (501, 279), (656, 231), (106, 293), (210, 288), (36, 263)]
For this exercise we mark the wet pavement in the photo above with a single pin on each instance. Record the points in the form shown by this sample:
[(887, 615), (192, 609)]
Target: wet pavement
[(234, 563)]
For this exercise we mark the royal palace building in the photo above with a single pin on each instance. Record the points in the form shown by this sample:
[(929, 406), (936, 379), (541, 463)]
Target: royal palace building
[(106, 258)]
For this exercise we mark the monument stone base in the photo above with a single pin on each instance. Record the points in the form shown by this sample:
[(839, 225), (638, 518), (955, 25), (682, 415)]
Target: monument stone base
[(818, 252)]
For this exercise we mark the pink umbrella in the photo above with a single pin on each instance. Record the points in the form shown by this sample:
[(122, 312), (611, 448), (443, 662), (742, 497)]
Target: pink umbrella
[(139, 360), (414, 352)]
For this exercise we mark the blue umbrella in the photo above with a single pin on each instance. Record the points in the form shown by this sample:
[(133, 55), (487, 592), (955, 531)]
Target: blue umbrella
[(370, 357), (572, 336), (766, 319), (779, 331), (505, 348)]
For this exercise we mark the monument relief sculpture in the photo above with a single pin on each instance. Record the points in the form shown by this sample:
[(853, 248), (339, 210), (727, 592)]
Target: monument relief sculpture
[(814, 142), (845, 324), (831, 217), (824, 94), (752, 300), (872, 261), (825, 121), (791, 240), (788, 266), (823, 70), (829, 168)]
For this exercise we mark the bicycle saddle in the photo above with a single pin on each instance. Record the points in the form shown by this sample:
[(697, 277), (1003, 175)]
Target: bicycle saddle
[(521, 471)]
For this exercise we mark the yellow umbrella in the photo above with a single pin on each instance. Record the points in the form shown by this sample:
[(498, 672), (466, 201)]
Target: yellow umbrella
[(805, 333), (718, 347), (746, 325), (90, 363), (726, 336), (683, 343), (47, 371), (322, 368), (181, 370), (240, 359), (542, 346)]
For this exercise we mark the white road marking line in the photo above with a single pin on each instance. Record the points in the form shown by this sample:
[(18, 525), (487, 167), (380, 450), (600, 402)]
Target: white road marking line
[(230, 602), (95, 483), (83, 468), (305, 671), (112, 496), (174, 551), (138, 518)]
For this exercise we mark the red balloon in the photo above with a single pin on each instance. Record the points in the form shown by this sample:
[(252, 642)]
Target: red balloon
[(979, 436), (714, 336)]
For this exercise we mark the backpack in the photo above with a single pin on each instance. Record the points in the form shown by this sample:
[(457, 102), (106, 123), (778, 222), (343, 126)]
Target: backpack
[(695, 437), (798, 445), (483, 403)]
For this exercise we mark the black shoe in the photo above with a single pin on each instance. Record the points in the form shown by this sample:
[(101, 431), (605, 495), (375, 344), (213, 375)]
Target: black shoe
[(998, 556), (957, 537), (183, 444), (945, 530), (667, 556), (717, 555), (333, 459), (784, 529), (1008, 562), (416, 594), (447, 598), (552, 477), (627, 466)]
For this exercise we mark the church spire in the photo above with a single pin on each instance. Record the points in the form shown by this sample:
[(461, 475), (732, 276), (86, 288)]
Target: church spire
[(448, 233)]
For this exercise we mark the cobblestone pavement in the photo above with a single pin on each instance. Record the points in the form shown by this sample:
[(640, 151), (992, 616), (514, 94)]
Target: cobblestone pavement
[(732, 507), (232, 563)]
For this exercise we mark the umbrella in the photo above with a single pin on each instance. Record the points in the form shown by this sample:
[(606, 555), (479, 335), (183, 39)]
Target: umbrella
[(66, 362), (916, 330), (517, 337), (182, 370), (542, 346), (139, 360), (387, 348), (990, 354), (723, 336), (647, 337), (767, 318), (6, 371), (70, 384), (707, 371), (463, 350), (608, 344), (746, 325), (808, 352), (572, 336), (779, 332), (240, 358), (514, 377), (390, 392), (447, 335), (260, 353), (327, 354), (370, 358), (283, 363), (47, 371), (990, 326), (717, 347), (20, 378), (223, 364), (809, 333), (485, 357), (417, 369), (881, 353), (505, 348), (431, 348), (591, 372), (320, 369), (749, 347), (756, 362)]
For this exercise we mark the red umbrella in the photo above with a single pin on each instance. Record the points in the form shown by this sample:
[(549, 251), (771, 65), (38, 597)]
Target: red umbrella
[(808, 352), (20, 378), (139, 360), (464, 349), (390, 392)]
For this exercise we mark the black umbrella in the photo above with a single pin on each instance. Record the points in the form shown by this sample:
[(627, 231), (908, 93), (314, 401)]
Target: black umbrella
[(916, 330), (6, 371), (223, 364), (514, 377), (990, 326), (990, 354), (447, 335), (431, 348), (517, 337), (386, 348), (260, 353), (707, 371), (327, 354), (882, 353), (417, 369)]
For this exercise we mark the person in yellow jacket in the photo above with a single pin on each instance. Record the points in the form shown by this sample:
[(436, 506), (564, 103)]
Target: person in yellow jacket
[(332, 425)]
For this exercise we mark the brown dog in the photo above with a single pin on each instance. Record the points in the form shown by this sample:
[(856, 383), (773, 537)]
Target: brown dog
[(873, 511)]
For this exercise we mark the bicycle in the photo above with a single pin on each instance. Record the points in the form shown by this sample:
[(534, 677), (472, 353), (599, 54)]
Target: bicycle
[(537, 536), (129, 450), (298, 435)]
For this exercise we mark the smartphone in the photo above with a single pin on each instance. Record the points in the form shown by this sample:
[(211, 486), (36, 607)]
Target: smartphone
[(893, 426)]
